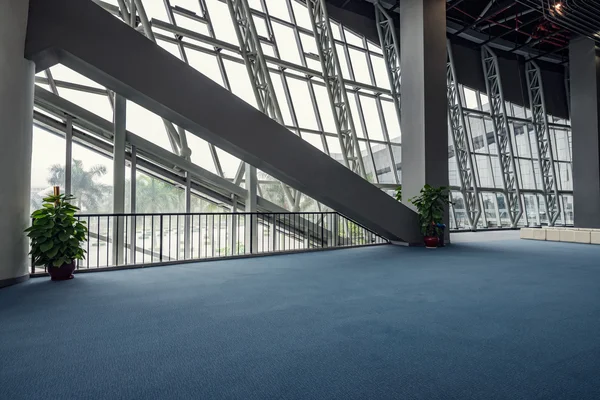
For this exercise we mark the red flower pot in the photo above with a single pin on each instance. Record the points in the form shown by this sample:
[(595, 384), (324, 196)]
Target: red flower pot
[(62, 273), (431, 242)]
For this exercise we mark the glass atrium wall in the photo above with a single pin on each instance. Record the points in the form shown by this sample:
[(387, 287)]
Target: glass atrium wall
[(202, 33)]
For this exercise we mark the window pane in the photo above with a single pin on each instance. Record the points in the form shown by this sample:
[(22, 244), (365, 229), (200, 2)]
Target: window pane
[(47, 165), (92, 180)]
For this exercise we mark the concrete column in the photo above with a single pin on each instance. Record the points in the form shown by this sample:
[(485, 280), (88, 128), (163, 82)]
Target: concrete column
[(584, 65), (251, 225), (423, 93), (16, 122)]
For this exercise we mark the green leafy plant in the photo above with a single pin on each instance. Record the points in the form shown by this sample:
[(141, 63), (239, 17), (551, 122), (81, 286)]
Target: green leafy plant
[(399, 193), (430, 205), (55, 233)]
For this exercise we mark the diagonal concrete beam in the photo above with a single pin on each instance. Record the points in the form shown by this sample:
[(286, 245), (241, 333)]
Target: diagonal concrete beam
[(89, 40)]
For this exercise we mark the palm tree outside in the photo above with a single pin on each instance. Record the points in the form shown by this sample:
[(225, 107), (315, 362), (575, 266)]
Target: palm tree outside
[(89, 193)]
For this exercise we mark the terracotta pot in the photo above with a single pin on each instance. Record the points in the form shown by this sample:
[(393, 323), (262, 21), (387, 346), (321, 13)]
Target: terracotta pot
[(431, 242), (62, 273)]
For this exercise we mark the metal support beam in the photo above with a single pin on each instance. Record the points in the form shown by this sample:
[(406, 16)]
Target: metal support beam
[(568, 89), (120, 133), (502, 135), (257, 68), (334, 82), (391, 53), (462, 146), (174, 139), (539, 120)]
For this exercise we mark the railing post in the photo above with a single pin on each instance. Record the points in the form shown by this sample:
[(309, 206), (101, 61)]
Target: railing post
[(322, 230), (334, 229), (234, 228), (160, 239), (274, 239), (32, 258), (133, 245), (302, 225), (252, 233), (186, 237), (117, 239)]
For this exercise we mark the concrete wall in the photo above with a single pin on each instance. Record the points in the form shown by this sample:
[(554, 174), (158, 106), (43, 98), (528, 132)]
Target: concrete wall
[(16, 124)]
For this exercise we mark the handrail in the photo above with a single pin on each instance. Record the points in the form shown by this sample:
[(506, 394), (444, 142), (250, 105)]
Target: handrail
[(143, 239)]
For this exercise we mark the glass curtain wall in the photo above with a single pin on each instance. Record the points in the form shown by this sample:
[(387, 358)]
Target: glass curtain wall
[(202, 33), (488, 175)]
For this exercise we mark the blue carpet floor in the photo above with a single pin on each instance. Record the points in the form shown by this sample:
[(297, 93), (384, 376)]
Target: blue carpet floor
[(498, 320)]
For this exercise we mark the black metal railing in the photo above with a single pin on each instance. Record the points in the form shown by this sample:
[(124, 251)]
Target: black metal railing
[(116, 240)]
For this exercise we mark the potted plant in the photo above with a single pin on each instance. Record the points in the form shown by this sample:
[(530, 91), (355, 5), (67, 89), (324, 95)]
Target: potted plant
[(430, 205), (56, 237)]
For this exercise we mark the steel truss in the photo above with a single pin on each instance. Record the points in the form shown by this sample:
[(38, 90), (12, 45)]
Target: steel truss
[(258, 71), (539, 120), (391, 52), (502, 135), (461, 144), (334, 83)]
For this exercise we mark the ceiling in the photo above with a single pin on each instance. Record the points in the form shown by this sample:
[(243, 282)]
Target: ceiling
[(538, 29)]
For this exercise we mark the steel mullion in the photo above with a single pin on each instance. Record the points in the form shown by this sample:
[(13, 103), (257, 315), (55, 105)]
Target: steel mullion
[(309, 81), (384, 129), (284, 82), (138, 6), (222, 70), (225, 45), (335, 85), (391, 53), (363, 124), (475, 163), (296, 195), (502, 135), (460, 142), (361, 114), (182, 133), (256, 66), (313, 99), (539, 120)]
